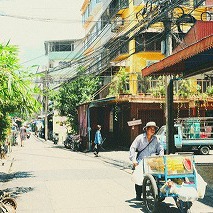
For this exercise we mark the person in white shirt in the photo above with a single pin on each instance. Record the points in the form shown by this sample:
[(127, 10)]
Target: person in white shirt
[(146, 144)]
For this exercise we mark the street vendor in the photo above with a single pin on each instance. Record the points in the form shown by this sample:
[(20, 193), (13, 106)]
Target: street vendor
[(145, 145)]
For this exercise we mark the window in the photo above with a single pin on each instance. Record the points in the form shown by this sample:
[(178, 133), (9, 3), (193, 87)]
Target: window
[(198, 3), (104, 19), (148, 42), (83, 18), (89, 10), (139, 2), (62, 46)]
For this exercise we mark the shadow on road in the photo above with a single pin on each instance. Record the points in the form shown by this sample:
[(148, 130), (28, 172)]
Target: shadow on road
[(4, 177), (162, 207), (206, 171), (135, 204), (207, 200), (15, 192)]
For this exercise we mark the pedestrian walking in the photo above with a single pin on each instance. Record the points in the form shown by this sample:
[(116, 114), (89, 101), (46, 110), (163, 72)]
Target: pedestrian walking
[(23, 135), (98, 140), (146, 144), (36, 130)]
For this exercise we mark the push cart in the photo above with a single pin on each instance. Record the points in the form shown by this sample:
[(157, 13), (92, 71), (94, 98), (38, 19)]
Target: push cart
[(169, 176)]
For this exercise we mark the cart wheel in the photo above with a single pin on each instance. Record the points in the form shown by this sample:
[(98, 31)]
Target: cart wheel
[(150, 193)]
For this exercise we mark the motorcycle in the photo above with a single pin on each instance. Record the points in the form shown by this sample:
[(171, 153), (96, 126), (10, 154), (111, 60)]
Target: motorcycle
[(76, 143), (68, 141), (55, 138), (73, 142)]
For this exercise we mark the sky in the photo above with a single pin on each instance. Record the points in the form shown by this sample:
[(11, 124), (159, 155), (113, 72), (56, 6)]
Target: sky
[(23, 23)]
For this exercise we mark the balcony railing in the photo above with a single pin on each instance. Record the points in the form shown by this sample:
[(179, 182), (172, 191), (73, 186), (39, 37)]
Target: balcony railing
[(144, 87)]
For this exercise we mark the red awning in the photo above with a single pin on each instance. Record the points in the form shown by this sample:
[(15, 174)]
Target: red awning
[(189, 59)]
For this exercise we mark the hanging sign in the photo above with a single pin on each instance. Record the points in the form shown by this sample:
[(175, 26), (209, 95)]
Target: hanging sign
[(134, 122)]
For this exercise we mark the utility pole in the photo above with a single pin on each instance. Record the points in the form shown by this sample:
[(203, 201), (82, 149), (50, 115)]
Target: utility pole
[(133, 87), (169, 90), (46, 105)]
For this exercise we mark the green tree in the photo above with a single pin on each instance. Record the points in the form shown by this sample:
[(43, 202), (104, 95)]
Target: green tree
[(16, 91), (74, 93), (119, 83)]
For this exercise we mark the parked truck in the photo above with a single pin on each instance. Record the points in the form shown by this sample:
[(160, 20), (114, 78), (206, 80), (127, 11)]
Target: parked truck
[(192, 135)]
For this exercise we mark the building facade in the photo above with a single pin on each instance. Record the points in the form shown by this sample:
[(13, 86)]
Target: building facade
[(133, 35)]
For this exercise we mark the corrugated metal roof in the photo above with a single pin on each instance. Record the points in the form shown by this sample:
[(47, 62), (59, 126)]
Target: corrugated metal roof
[(196, 47), (200, 30), (178, 63)]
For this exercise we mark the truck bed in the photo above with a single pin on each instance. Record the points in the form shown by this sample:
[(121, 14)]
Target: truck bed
[(197, 141)]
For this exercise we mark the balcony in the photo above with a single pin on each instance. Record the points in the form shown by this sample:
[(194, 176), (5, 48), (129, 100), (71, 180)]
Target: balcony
[(119, 53), (117, 5)]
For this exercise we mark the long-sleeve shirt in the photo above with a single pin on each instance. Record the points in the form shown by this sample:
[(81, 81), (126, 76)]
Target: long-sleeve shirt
[(140, 143), (98, 137)]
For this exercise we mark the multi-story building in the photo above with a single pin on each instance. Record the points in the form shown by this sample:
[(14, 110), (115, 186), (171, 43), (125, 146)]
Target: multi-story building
[(132, 34), (62, 55), (60, 52), (62, 66)]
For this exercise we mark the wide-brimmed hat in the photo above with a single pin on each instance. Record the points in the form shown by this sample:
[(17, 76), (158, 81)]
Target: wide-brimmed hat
[(151, 123)]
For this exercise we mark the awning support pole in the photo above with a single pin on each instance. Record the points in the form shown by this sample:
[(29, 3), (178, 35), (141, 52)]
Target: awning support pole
[(170, 120)]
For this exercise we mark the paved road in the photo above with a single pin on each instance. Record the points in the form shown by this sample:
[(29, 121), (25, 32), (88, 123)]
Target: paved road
[(49, 179)]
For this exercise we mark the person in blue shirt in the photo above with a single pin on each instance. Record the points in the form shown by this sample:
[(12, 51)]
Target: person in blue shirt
[(146, 144), (98, 140)]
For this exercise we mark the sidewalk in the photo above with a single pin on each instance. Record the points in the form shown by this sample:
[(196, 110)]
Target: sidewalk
[(121, 158), (117, 158)]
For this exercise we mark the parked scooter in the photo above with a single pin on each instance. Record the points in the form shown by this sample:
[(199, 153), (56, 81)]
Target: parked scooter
[(76, 143), (68, 141), (55, 138), (73, 142)]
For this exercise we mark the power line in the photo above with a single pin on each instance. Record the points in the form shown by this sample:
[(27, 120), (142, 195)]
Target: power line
[(145, 20), (94, 42), (33, 59), (40, 19)]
